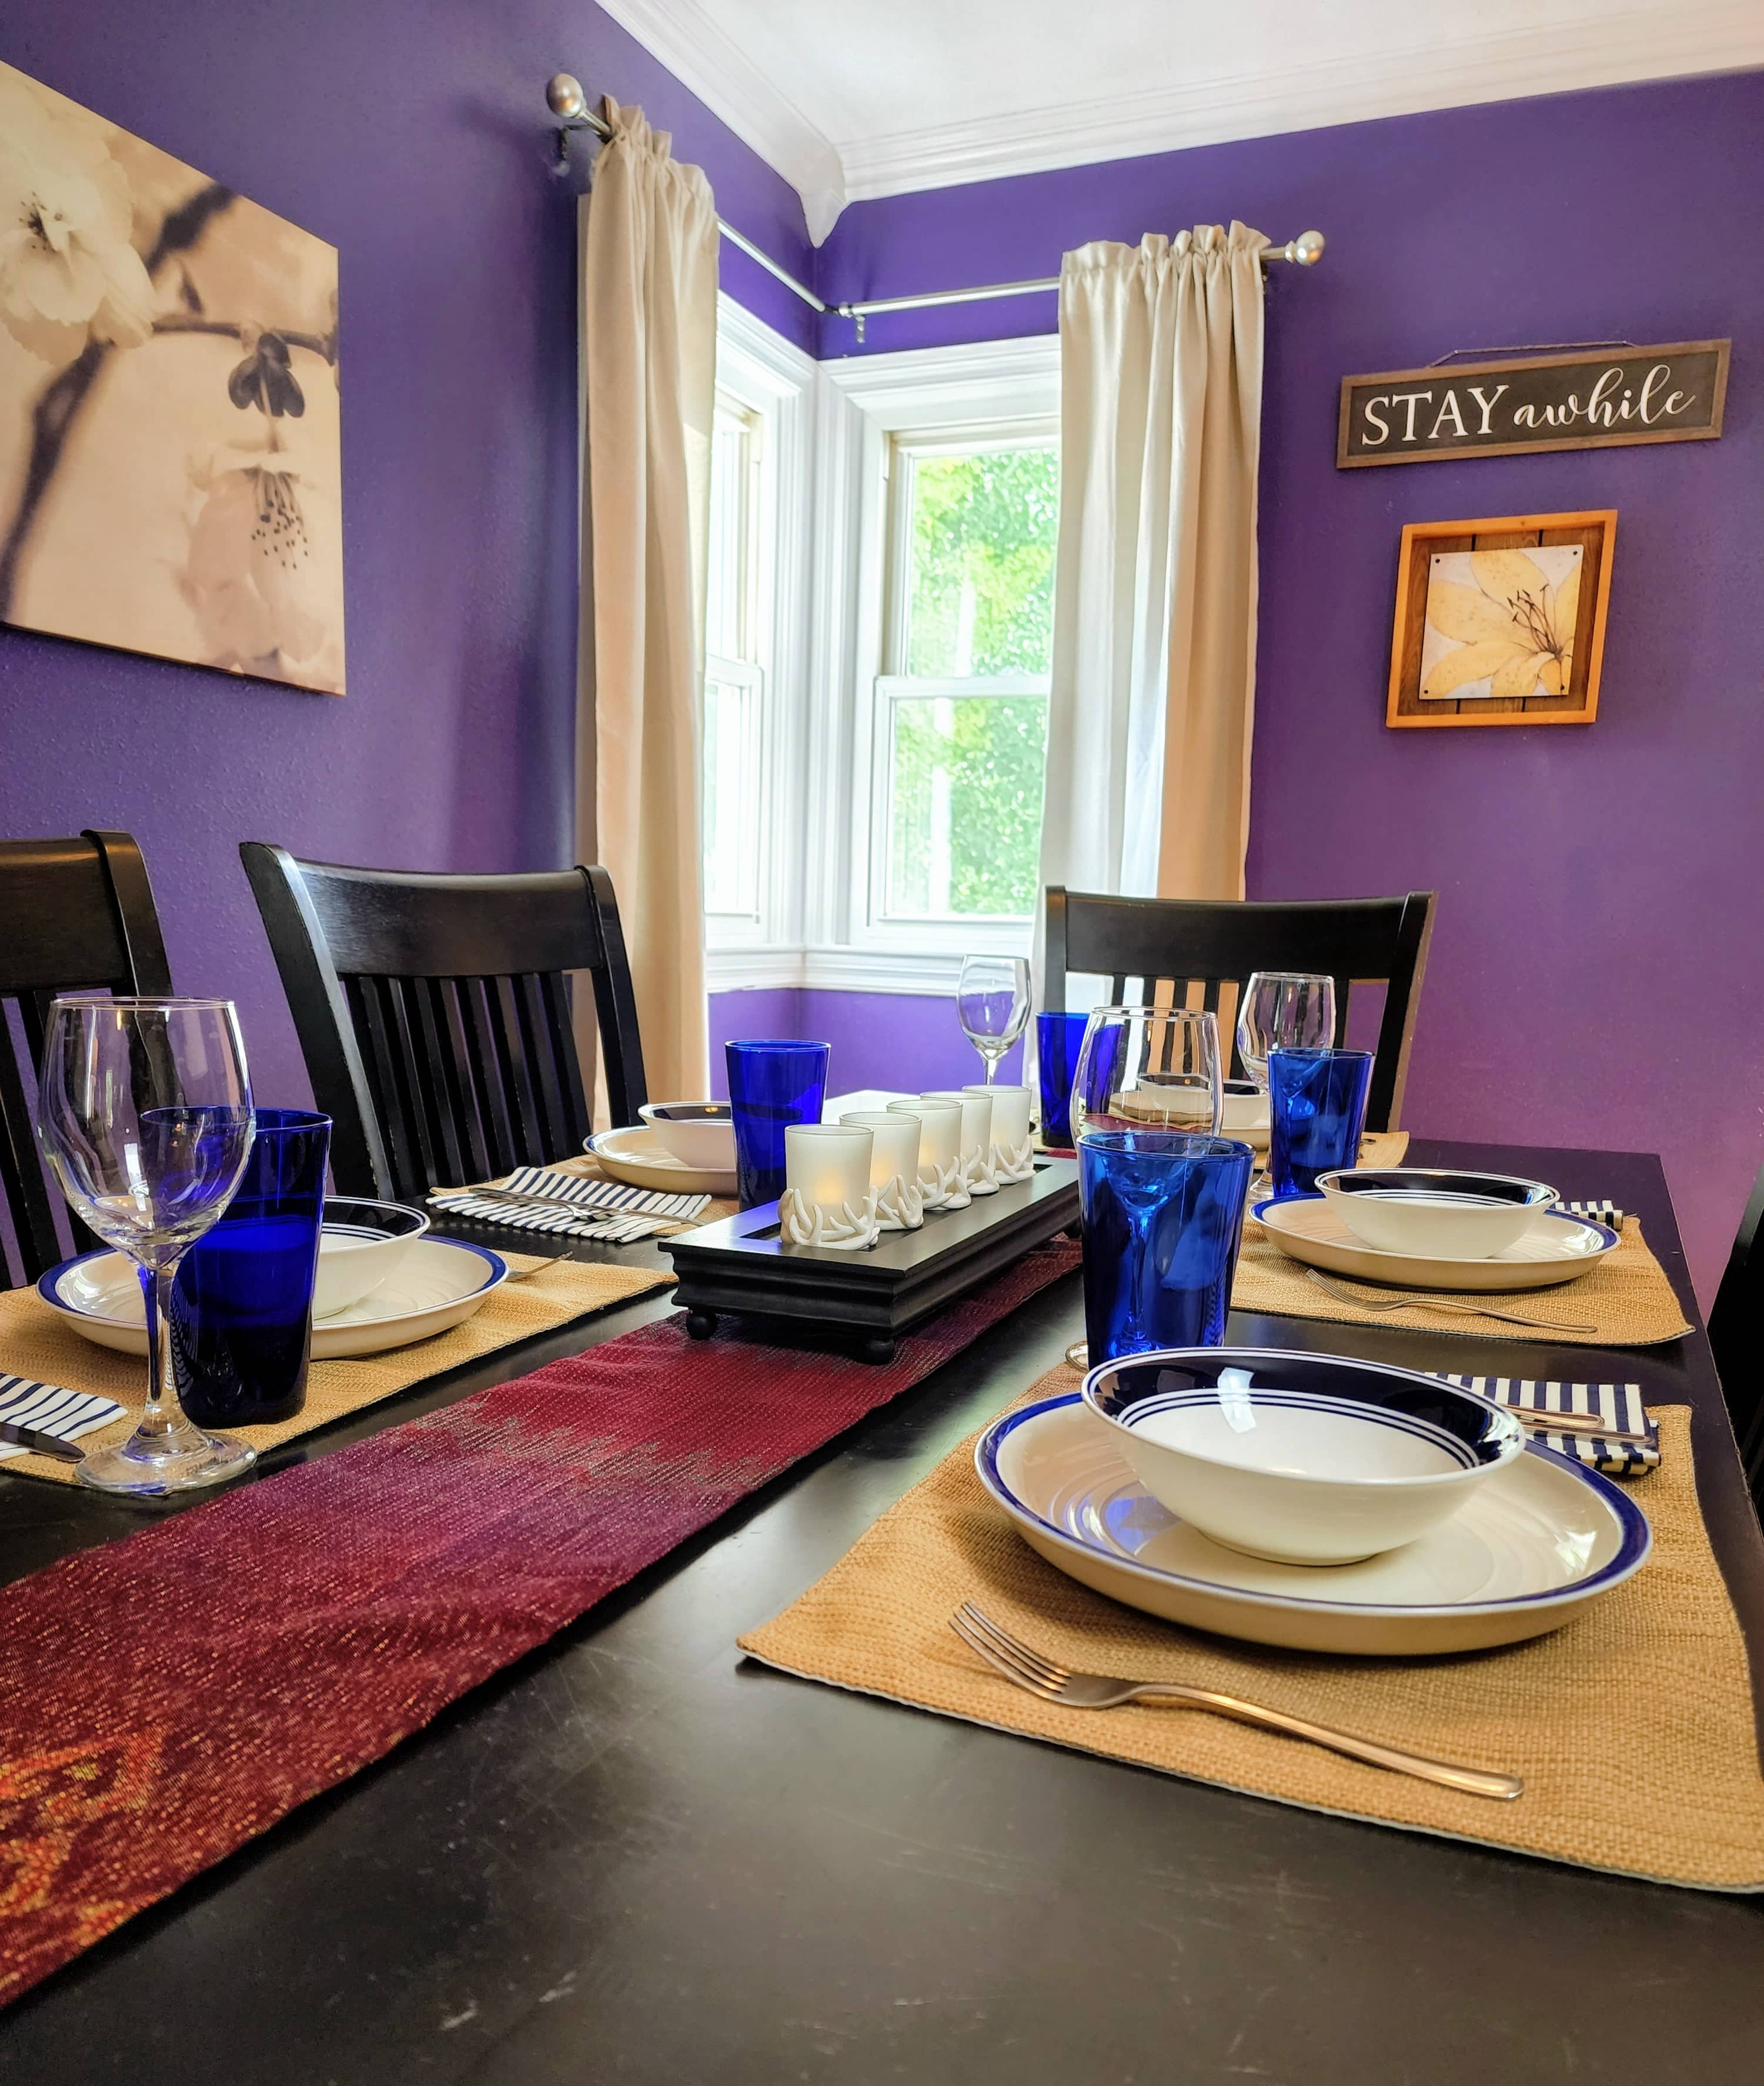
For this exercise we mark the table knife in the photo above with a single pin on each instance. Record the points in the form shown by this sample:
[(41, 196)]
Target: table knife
[(41, 1444)]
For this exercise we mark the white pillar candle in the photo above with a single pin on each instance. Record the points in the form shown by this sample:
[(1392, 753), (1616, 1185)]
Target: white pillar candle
[(1011, 1158), (976, 1136), (940, 1150), (828, 1199), (893, 1167), (827, 1163), (894, 1145)]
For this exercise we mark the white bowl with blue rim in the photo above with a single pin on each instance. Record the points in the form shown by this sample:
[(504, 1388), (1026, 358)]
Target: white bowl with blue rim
[(700, 1135), (1440, 1212), (1542, 1542), (1306, 1459), (361, 1244)]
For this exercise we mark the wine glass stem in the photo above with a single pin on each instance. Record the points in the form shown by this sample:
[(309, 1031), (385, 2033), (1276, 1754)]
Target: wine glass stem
[(156, 1285)]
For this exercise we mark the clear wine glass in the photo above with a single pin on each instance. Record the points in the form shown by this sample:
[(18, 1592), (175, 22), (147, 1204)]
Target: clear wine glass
[(1283, 1010), (1148, 1068), (144, 1114), (992, 1003)]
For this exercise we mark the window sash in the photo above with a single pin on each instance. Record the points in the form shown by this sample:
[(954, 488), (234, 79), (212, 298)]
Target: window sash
[(890, 691), (902, 453), (901, 457), (739, 779)]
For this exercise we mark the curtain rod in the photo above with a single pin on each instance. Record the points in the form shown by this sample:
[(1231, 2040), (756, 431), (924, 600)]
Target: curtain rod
[(564, 96)]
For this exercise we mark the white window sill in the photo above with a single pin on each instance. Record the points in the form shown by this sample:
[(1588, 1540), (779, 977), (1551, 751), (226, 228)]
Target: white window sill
[(927, 972)]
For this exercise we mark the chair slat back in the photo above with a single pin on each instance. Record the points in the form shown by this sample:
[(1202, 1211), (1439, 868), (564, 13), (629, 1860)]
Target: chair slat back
[(76, 915), (435, 1014), (1183, 952), (1736, 1335)]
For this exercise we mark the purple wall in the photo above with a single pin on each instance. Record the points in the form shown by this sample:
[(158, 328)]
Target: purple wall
[(411, 134), (903, 1041), (1597, 975), (1594, 977)]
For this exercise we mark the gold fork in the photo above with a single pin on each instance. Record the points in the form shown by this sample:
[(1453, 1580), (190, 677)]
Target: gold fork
[(1039, 1675), (1380, 1303)]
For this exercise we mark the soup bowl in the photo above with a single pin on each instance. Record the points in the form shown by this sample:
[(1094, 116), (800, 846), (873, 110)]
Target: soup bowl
[(1307, 1459), (700, 1135), (361, 1244), (1434, 1211)]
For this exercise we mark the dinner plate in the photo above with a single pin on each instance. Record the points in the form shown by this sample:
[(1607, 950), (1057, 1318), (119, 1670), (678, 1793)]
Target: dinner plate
[(1530, 1549), (1556, 1249), (634, 1155), (438, 1284)]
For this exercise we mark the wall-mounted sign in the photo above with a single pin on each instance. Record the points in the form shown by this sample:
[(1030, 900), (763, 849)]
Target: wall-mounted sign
[(1553, 402)]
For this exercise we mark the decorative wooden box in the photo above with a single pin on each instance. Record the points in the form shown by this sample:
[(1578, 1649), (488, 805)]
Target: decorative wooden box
[(740, 1263)]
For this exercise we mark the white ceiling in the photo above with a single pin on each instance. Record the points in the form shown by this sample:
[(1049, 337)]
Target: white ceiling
[(850, 98)]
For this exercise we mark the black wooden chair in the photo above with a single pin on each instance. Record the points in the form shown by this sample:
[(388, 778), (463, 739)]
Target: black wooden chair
[(434, 1015), (1736, 1335), (75, 915), (1179, 943)]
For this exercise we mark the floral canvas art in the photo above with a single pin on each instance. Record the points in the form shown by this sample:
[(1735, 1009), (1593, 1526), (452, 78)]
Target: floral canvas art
[(170, 462), (1500, 624)]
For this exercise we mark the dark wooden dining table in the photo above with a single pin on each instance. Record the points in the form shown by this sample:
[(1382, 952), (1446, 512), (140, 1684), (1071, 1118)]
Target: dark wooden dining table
[(635, 1856)]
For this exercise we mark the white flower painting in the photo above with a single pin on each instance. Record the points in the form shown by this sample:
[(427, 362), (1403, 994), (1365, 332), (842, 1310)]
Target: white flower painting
[(1500, 624), (170, 462)]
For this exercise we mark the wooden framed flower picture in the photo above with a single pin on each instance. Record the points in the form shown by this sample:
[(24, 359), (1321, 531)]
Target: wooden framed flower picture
[(1501, 621)]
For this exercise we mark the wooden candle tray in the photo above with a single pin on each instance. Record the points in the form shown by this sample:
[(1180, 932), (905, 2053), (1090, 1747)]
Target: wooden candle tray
[(872, 1297)]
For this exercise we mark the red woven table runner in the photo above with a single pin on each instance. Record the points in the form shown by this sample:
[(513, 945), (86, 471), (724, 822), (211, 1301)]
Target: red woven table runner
[(165, 1698)]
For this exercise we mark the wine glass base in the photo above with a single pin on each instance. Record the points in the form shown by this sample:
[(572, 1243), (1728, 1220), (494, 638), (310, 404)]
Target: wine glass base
[(151, 1465)]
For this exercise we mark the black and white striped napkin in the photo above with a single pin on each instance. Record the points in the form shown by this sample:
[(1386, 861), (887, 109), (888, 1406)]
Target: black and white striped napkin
[(1605, 1213), (610, 1211), (67, 1414), (1619, 1405)]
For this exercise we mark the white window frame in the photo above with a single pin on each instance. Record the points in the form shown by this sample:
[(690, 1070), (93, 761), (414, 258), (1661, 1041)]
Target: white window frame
[(871, 845), (744, 669), (981, 390), (829, 426), (760, 371)]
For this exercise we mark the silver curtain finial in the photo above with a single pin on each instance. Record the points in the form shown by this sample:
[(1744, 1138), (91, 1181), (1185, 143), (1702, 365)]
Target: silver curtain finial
[(564, 96), (1307, 250)]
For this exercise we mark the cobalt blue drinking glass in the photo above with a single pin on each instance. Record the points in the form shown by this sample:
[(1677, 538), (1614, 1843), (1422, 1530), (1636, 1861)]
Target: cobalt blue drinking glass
[(771, 1085), (1058, 1039), (242, 1306), (1316, 1103), (1163, 1216)]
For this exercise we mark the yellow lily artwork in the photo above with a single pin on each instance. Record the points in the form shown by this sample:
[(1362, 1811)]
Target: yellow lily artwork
[(1500, 624)]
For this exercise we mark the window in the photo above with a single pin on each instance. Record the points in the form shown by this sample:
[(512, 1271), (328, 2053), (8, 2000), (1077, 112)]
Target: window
[(961, 711), (734, 678), (879, 619)]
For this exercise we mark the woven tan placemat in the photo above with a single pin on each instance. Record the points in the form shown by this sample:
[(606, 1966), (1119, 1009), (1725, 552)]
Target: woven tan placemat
[(1632, 1726), (35, 1343), (1625, 1299)]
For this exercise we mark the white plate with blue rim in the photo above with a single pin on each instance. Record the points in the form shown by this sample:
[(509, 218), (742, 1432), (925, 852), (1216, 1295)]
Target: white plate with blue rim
[(439, 1283), (1557, 1248), (1531, 1549)]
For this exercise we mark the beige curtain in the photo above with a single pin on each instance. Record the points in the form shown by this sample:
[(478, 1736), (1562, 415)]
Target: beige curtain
[(1154, 618), (648, 279)]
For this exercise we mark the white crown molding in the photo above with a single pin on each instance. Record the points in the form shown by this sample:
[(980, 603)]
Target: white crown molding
[(686, 39), (1604, 50)]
